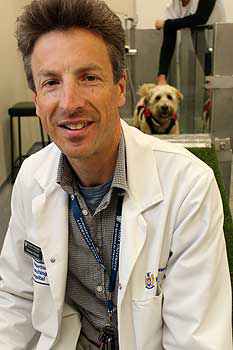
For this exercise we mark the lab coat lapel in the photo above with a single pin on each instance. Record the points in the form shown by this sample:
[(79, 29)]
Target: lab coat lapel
[(144, 192), (133, 236), (50, 211)]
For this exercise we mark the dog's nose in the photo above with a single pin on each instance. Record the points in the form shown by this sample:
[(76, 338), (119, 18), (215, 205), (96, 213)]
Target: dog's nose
[(164, 109)]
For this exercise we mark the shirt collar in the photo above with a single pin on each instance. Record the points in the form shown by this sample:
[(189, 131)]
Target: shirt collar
[(68, 180)]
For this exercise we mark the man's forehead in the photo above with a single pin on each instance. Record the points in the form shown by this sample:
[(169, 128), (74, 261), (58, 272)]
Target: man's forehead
[(92, 67), (70, 34), (75, 49)]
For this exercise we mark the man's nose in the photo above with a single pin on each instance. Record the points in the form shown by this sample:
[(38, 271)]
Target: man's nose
[(72, 96)]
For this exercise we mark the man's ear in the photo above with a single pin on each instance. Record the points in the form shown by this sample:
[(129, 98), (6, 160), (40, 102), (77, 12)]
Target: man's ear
[(34, 98), (122, 89)]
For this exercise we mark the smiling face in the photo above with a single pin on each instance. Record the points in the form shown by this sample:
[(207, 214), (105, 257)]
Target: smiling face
[(161, 100), (76, 98)]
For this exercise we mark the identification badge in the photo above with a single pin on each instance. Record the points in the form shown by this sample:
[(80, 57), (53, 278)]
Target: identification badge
[(33, 251), (39, 273), (106, 340)]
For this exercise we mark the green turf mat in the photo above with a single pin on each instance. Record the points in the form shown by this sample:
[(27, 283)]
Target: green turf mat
[(208, 155)]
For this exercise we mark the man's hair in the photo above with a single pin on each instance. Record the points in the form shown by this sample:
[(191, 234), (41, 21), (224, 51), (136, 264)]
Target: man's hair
[(43, 16)]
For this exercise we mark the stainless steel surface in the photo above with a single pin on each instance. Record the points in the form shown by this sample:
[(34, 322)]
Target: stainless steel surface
[(189, 140), (200, 47), (222, 144), (219, 82), (224, 154), (222, 147), (222, 116), (130, 52), (222, 103), (223, 49)]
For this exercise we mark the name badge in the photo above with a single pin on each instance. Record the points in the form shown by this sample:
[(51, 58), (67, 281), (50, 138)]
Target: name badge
[(33, 251)]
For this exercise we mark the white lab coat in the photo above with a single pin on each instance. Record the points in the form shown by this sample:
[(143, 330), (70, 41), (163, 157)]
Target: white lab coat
[(174, 9), (173, 204)]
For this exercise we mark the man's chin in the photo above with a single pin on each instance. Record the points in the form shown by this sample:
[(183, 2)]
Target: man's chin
[(78, 154)]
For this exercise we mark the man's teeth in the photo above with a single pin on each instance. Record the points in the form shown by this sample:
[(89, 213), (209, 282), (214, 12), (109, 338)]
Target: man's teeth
[(77, 126)]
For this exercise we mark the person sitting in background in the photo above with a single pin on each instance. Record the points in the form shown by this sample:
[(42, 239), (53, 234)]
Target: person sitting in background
[(184, 14), (116, 237)]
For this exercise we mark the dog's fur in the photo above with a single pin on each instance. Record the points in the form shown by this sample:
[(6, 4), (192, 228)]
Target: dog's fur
[(156, 111)]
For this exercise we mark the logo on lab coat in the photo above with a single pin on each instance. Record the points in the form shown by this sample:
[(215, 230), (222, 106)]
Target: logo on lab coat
[(150, 280)]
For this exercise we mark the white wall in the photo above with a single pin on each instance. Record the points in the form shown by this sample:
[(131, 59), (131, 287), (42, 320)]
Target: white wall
[(13, 86), (148, 10), (229, 10), (123, 8)]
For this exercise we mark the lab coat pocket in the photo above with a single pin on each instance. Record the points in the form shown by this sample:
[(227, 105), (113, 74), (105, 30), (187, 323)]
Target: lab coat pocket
[(69, 333), (70, 329), (147, 319)]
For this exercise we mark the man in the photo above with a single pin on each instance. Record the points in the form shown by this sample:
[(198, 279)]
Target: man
[(184, 14), (101, 216)]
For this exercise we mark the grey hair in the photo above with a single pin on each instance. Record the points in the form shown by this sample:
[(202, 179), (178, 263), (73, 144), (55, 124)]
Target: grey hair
[(43, 16)]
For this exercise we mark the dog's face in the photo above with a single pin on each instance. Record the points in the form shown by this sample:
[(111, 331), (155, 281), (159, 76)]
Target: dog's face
[(161, 100)]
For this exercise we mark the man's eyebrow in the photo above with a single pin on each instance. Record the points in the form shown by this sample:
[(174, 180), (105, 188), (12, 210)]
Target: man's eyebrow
[(47, 73), (91, 66), (82, 69)]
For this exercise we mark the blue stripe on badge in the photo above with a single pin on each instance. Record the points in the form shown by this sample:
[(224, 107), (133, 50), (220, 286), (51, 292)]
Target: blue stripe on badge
[(40, 273), (43, 283)]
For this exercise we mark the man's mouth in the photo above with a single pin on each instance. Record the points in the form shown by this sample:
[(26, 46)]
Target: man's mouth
[(75, 126)]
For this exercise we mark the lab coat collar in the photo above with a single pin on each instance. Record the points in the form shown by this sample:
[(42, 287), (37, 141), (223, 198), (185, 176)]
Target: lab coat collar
[(144, 184), (46, 175), (142, 173)]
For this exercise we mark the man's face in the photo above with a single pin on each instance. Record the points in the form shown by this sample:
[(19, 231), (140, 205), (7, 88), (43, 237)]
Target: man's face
[(75, 97)]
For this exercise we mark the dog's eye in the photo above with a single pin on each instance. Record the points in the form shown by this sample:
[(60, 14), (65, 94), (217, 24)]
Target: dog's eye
[(157, 98), (169, 97)]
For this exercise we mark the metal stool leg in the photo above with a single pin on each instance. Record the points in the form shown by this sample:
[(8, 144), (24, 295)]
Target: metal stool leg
[(19, 141), (12, 151)]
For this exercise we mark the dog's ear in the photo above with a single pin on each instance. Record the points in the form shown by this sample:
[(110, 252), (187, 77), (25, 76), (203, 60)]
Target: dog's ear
[(179, 95), (144, 90)]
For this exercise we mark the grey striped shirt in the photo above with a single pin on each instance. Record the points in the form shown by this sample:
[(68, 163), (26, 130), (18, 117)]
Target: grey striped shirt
[(86, 281)]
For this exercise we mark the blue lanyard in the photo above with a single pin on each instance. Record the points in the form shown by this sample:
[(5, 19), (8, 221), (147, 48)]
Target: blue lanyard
[(85, 232)]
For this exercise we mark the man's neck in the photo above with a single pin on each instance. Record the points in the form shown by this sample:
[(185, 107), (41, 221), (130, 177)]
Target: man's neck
[(96, 170)]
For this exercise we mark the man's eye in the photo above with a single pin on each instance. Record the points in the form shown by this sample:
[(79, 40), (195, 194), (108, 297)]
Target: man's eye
[(49, 83), (90, 77)]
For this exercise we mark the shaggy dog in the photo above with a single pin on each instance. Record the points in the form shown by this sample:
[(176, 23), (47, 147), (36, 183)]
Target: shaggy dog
[(156, 111)]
